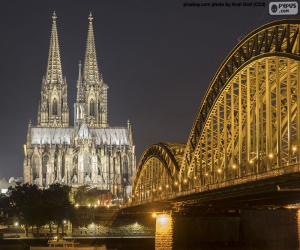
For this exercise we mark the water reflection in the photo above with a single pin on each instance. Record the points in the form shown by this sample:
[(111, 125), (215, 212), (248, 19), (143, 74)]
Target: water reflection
[(164, 232), (124, 230), (267, 229)]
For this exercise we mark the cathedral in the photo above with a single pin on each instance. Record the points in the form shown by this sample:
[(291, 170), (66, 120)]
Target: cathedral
[(88, 153)]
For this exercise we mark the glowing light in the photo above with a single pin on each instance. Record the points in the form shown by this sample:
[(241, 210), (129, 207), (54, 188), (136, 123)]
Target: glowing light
[(195, 178), (76, 205), (154, 215), (95, 205), (219, 170), (89, 205), (176, 183), (163, 219), (164, 226), (154, 190), (159, 188), (294, 148), (65, 222), (271, 156), (251, 161), (185, 181), (234, 166), (16, 224), (167, 186)]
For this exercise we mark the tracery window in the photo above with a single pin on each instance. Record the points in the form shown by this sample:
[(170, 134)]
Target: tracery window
[(45, 160), (54, 107), (125, 169), (92, 107), (35, 167)]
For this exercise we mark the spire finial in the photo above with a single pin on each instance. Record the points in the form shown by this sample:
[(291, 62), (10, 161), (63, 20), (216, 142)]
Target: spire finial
[(54, 70), (80, 95), (54, 17), (91, 72), (79, 71), (90, 17)]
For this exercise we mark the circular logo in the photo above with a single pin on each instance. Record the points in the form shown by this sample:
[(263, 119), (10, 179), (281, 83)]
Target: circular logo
[(274, 8)]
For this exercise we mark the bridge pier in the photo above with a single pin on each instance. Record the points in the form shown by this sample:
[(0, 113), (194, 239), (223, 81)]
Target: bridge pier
[(263, 228)]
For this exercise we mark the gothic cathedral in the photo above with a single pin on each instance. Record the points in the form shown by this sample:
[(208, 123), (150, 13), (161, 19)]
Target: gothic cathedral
[(88, 153)]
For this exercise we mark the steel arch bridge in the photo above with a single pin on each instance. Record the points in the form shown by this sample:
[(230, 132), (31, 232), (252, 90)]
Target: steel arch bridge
[(248, 124), (157, 172)]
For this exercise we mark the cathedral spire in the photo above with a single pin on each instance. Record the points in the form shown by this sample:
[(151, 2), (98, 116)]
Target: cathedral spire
[(80, 94), (91, 72), (54, 70)]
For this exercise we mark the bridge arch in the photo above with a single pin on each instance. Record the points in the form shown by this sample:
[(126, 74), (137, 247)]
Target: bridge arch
[(248, 124), (249, 120), (157, 171)]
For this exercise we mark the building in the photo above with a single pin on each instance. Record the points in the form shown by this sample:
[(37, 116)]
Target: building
[(88, 153)]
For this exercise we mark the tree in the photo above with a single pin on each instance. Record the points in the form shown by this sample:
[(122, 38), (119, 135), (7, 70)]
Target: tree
[(5, 209), (58, 205), (26, 204)]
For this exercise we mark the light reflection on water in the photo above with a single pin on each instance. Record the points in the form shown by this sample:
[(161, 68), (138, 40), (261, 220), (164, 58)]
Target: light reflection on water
[(275, 230), (164, 232)]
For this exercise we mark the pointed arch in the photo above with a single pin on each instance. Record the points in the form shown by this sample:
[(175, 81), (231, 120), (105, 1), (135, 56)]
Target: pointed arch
[(126, 173), (35, 163), (92, 107), (45, 161), (54, 107)]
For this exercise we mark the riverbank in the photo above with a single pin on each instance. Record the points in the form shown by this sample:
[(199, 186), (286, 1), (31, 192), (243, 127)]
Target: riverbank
[(112, 243)]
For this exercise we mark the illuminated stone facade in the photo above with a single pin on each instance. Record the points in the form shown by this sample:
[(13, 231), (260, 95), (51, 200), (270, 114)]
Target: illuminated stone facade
[(88, 153)]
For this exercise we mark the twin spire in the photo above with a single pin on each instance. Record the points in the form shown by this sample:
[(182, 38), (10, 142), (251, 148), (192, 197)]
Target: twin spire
[(54, 70), (91, 73)]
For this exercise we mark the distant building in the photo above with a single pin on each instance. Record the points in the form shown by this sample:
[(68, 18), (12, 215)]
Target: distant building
[(88, 153), (12, 182)]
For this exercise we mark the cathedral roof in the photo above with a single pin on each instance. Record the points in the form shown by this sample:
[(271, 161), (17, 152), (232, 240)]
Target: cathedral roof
[(114, 136), (101, 136)]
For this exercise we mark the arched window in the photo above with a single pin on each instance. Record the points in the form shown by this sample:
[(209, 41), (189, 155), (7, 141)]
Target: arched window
[(54, 107), (125, 170), (35, 167), (44, 168), (92, 107)]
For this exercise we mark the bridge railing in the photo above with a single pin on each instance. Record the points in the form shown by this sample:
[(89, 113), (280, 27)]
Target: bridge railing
[(294, 168)]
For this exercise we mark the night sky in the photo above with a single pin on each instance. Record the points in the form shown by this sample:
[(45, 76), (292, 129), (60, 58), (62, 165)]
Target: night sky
[(157, 58)]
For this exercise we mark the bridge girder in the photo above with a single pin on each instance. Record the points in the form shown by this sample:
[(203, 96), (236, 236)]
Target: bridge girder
[(248, 123), (157, 171), (276, 39)]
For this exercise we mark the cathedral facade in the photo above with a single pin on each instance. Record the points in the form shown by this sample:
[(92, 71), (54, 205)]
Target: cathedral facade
[(88, 153)]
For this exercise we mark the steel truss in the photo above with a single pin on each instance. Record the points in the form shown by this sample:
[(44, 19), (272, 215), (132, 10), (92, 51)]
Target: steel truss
[(248, 123)]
